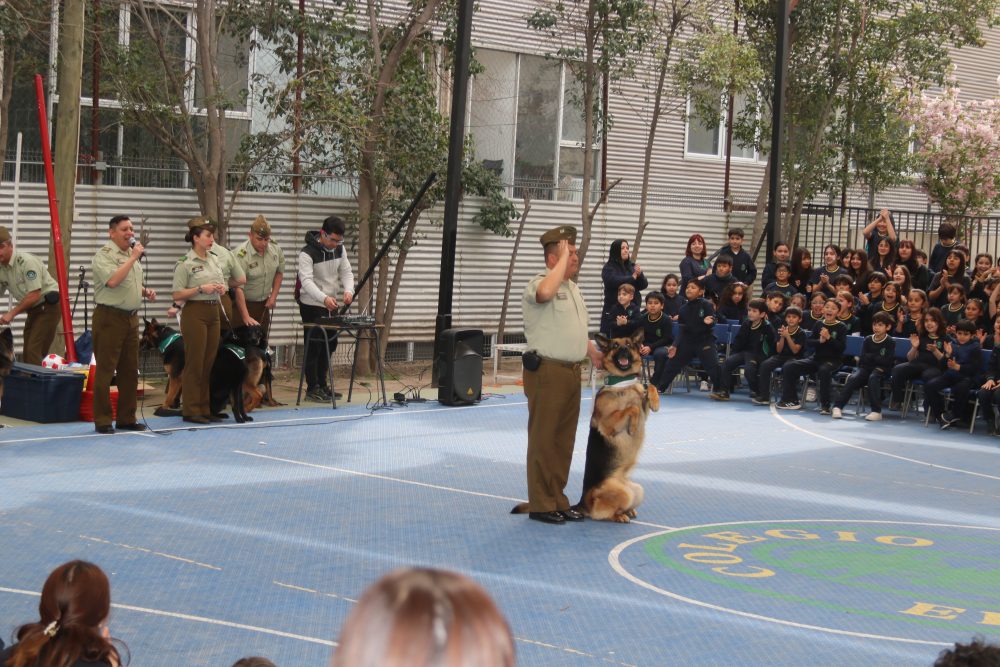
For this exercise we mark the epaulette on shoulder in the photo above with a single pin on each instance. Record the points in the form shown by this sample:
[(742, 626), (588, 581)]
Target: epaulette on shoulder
[(105, 249), (242, 252)]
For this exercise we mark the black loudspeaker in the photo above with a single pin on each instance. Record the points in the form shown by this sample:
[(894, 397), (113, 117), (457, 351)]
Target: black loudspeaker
[(460, 366)]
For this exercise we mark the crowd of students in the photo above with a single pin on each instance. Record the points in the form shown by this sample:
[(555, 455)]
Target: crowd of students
[(944, 303)]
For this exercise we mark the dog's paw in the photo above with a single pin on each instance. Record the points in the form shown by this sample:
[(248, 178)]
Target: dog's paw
[(620, 518), (248, 418), (631, 514), (653, 396)]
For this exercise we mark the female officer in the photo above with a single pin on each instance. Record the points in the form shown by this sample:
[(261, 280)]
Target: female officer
[(198, 281)]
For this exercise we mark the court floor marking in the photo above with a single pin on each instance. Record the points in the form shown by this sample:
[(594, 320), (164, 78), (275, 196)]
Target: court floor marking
[(614, 560), (386, 478), (199, 619), (914, 485), (781, 418)]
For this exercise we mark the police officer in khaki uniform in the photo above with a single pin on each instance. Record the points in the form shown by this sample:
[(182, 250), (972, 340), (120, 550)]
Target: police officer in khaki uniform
[(199, 282), (37, 294), (118, 291), (264, 263), (555, 324)]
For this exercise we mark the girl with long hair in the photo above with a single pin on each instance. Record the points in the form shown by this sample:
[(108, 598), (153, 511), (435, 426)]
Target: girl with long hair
[(885, 257), (72, 625), (907, 253), (802, 270), (952, 273), (912, 321), (860, 270), (901, 276), (733, 302)]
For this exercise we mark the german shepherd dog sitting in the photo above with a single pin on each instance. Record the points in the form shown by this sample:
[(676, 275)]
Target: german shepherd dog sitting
[(171, 346), (236, 372), (6, 356), (617, 431)]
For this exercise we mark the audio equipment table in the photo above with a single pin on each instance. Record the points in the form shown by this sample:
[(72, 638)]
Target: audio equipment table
[(359, 330)]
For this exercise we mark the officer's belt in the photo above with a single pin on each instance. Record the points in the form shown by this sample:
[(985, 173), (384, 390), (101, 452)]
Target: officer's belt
[(560, 362), (130, 313)]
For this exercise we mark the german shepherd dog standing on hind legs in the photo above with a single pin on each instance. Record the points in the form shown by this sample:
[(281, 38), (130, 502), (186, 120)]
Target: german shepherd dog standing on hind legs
[(617, 431)]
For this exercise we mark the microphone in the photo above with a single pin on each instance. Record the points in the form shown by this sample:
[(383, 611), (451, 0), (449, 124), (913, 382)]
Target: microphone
[(131, 244)]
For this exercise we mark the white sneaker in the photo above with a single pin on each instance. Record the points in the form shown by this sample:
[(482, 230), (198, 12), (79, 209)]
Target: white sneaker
[(703, 386), (874, 417), (838, 413), (810, 395)]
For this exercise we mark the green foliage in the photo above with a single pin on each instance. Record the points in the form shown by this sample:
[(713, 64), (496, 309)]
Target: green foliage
[(497, 210)]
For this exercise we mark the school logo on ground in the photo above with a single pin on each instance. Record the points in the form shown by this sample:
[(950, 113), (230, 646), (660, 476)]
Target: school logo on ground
[(911, 582)]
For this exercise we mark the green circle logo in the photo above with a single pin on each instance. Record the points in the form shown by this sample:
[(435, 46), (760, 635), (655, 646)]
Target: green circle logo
[(913, 582)]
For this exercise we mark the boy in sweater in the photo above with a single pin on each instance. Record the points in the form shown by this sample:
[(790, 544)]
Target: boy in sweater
[(829, 337), (696, 339), (658, 333), (753, 344), (878, 355), (963, 367)]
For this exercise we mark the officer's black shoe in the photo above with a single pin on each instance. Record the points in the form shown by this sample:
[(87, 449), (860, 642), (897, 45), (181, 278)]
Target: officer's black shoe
[(547, 517), (106, 429), (571, 514), (135, 426)]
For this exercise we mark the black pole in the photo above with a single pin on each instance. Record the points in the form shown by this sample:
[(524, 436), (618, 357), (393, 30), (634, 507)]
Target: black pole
[(453, 186), (777, 125)]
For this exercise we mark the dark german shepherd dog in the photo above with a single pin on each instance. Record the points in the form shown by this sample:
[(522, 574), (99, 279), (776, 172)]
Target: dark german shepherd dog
[(236, 372), (617, 431), (171, 346)]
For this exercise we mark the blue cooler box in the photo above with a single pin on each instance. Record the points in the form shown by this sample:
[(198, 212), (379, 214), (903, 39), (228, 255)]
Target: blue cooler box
[(38, 394)]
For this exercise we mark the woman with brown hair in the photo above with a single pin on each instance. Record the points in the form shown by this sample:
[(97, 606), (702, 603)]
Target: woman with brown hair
[(423, 617), (72, 629)]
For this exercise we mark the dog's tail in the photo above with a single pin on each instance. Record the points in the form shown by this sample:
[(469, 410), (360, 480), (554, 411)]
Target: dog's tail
[(520, 508)]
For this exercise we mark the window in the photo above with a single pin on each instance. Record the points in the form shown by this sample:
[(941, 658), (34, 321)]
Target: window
[(709, 140), (525, 121)]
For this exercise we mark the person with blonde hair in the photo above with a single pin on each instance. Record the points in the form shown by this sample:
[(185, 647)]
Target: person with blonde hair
[(72, 625), (415, 617)]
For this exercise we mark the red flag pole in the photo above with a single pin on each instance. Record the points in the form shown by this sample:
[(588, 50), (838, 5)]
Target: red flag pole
[(50, 182)]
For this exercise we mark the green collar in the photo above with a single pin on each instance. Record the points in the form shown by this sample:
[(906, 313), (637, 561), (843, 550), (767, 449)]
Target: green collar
[(168, 341), (240, 353), (612, 380)]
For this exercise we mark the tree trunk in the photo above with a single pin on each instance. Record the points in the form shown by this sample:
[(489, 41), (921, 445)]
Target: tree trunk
[(510, 270), (397, 277), (760, 215), (589, 96), (6, 92), (647, 158)]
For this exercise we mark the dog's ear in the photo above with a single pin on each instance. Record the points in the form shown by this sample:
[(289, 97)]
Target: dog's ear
[(638, 336), (602, 342)]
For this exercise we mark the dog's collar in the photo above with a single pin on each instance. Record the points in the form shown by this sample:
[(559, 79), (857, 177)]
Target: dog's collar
[(238, 351), (614, 380), (168, 341)]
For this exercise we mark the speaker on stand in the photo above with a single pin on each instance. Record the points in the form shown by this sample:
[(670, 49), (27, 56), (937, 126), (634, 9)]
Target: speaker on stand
[(460, 366)]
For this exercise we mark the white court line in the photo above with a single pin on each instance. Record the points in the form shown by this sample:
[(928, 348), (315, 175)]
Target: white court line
[(774, 412), (614, 559), (386, 478), (265, 424), (199, 619)]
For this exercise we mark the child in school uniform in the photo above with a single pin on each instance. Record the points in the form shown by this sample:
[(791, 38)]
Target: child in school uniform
[(672, 298), (624, 311), (989, 389), (947, 240), (790, 344), (753, 344), (829, 337), (696, 339), (776, 304), (658, 333), (975, 311), (963, 362), (799, 301), (721, 277), (822, 278), (925, 359), (955, 309), (782, 280), (845, 302), (815, 312), (870, 302), (912, 321), (878, 355)]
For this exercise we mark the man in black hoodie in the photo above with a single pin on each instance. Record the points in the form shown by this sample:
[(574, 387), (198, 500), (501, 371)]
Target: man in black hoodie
[(325, 276)]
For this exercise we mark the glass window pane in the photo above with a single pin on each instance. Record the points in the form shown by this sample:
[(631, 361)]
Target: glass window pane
[(741, 150), (537, 123), (103, 27), (234, 69), (571, 174), (702, 138), (491, 118), (163, 27)]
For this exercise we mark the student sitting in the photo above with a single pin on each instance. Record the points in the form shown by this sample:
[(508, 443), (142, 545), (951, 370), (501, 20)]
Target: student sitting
[(843, 283), (658, 333), (697, 338), (870, 302), (776, 304), (721, 276), (830, 337), (624, 311), (975, 312), (878, 354), (782, 280), (947, 240), (925, 360), (845, 302), (782, 252), (753, 344), (912, 321), (815, 312), (672, 299), (955, 309), (742, 264), (733, 303), (989, 390), (963, 360), (822, 278), (790, 344), (799, 301)]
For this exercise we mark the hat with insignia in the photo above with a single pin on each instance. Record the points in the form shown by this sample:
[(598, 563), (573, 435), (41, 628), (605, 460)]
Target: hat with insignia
[(260, 228), (200, 221), (563, 232), (4, 235)]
